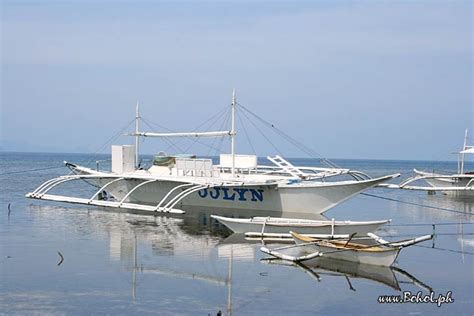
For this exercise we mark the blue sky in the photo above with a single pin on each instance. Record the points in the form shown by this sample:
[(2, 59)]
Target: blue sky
[(350, 79)]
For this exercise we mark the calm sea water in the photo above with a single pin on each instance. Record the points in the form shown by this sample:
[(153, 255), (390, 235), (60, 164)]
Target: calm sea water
[(123, 263)]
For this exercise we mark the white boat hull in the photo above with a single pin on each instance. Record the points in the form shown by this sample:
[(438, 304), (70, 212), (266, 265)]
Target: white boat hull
[(316, 198), (449, 182), (282, 225)]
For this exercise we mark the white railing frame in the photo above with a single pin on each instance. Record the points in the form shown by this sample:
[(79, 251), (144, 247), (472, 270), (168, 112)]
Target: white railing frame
[(103, 187)]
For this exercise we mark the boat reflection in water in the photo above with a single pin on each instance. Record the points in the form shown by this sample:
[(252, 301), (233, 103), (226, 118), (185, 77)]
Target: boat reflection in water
[(192, 248), (322, 267)]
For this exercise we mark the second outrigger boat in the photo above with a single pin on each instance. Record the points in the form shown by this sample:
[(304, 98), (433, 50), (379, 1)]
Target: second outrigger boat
[(236, 182), (460, 184), (256, 226)]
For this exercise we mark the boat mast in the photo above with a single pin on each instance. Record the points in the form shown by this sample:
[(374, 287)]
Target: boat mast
[(461, 171), (137, 135), (233, 133)]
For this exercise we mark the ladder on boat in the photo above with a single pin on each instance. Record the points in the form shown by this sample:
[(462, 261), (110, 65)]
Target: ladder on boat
[(286, 166)]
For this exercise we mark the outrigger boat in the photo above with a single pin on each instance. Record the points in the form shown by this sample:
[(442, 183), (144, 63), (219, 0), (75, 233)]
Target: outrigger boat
[(460, 184), (374, 251), (236, 182), (267, 226)]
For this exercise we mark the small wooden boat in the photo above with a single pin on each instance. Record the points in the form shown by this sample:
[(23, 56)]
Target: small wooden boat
[(273, 225), (375, 251), (349, 251)]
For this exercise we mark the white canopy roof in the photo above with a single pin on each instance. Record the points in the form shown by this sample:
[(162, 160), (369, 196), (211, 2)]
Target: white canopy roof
[(467, 151)]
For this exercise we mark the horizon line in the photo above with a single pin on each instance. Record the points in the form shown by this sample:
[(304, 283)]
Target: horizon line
[(289, 157)]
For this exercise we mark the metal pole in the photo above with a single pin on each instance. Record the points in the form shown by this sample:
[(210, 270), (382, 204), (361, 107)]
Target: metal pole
[(137, 137), (229, 280), (462, 155), (135, 267), (233, 133)]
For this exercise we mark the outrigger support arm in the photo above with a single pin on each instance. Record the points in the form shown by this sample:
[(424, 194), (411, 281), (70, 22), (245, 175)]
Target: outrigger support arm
[(402, 243), (41, 194), (170, 192), (134, 188), (183, 194), (103, 187)]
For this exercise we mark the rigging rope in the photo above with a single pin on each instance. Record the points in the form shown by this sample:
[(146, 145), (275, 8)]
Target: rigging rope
[(445, 249), (171, 144), (88, 161), (111, 139), (216, 117), (221, 141), (261, 133), (193, 139), (435, 234), (415, 204), (427, 224), (246, 134), (31, 170), (452, 234), (168, 142), (226, 113), (220, 112), (310, 152)]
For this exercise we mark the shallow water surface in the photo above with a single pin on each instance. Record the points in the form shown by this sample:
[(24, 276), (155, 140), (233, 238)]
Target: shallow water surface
[(124, 263)]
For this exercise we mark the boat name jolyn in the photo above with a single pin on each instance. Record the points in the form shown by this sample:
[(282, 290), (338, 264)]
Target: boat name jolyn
[(231, 194)]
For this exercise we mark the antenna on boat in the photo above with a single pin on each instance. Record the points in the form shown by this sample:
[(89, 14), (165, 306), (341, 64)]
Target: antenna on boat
[(232, 149), (137, 134)]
